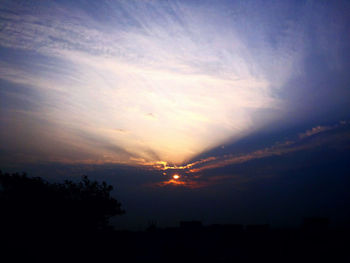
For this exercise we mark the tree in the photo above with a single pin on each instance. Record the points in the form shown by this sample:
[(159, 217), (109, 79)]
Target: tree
[(33, 205)]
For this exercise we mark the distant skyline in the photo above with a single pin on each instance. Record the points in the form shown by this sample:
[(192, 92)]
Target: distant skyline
[(212, 91)]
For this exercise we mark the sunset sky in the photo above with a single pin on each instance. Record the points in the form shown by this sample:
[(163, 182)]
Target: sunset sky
[(231, 96)]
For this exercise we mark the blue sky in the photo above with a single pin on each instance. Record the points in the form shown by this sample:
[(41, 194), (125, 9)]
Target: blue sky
[(170, 86)]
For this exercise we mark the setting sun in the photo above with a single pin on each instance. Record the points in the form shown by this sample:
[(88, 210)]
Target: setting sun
[(176, 176)]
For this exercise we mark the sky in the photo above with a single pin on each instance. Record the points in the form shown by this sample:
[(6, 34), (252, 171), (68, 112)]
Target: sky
[(244, 100)]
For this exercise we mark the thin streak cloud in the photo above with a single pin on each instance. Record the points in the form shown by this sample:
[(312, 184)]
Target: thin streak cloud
[(193, 170), (180, 78)]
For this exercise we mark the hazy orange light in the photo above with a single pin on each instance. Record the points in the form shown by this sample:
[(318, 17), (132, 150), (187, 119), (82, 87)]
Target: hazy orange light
[(176, 176)]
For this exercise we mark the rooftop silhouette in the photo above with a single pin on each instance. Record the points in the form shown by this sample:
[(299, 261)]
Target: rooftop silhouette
[(44, 218)]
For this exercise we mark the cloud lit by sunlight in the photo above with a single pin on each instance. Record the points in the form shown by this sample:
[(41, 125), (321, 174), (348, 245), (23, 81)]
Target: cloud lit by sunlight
[(136, 88), (193, 177)]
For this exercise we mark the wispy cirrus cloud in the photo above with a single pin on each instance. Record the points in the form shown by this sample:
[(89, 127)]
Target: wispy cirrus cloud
[(180, 78), (285, 147), (315, 130), (192, 173), (121, 78)]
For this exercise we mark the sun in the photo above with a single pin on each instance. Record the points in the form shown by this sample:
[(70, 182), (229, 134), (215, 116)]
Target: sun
[(176, 176)]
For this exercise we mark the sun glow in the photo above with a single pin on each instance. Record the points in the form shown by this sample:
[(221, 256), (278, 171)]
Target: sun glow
[(176, 176), (145, 92)]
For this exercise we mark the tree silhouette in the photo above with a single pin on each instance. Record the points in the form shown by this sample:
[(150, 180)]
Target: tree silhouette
[(33, 205)]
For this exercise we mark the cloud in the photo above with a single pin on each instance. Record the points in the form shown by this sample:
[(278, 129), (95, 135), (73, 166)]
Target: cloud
[(195, 182), (192, 173), (204, 74), (286, 147), (121, 130), (117, 74), (314, 130)]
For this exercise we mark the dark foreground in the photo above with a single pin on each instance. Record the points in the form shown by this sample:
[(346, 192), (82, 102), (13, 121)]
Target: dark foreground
[(218, 243), (44, 221)]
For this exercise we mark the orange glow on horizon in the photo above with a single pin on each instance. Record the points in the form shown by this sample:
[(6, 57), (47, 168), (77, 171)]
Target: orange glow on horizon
[(163, 165)]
